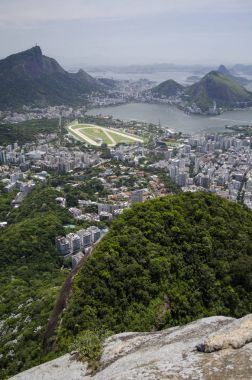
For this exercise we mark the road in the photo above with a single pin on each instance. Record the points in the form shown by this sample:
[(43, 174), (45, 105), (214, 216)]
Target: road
[(61, 302)]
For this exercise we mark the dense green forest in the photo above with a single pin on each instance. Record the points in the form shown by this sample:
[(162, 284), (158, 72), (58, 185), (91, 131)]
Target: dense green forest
[(26, 131), (165, 262), (31, 275)]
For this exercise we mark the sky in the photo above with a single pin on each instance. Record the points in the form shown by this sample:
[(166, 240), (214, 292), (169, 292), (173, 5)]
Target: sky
[(123, 32)]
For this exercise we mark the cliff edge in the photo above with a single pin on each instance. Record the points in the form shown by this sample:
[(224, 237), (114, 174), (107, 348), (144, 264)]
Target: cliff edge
[(218, 348)]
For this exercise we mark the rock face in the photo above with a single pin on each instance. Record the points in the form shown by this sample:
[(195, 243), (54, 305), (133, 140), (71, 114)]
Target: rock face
[(234, 335), (62, 368), (218, 348)]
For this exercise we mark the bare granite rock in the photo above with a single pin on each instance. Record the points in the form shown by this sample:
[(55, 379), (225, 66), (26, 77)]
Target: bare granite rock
[(235, 335), (167, 354), (63, 368)]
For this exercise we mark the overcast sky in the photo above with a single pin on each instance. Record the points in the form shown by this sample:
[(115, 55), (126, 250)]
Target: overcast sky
[(129, 31)]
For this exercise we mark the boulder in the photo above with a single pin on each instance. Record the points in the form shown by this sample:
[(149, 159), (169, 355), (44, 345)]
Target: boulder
[(235, 335)]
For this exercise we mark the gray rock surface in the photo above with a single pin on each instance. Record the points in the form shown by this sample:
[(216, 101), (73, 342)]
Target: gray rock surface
[(167, 354), (235, 335), (62, 368)]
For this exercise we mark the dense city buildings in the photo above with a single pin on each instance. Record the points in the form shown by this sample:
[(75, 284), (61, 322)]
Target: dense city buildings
[(217, 163)]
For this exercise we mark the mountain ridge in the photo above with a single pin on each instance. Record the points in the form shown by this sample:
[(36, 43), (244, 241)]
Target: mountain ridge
[(218, 87), (31, 78), (30, 62)]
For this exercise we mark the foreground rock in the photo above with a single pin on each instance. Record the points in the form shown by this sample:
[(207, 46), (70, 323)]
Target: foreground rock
[(234, 335), (62, 368), (225, 344)]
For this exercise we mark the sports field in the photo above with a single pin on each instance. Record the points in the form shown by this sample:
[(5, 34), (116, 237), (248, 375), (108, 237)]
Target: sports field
[(97, 135)]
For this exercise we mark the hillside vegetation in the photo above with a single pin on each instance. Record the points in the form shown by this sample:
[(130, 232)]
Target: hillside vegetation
[(168, 88), (31, 275), (165, 262), (26, 131), (220, 88)]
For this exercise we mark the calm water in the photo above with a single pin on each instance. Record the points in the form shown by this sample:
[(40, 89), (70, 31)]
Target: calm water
[(175, 119)]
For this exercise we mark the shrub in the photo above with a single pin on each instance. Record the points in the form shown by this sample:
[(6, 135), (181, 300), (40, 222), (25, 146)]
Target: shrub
[(88, 345)]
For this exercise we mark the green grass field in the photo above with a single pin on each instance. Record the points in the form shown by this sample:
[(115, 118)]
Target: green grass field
[(76, 136), (120, 139), (95, 135)]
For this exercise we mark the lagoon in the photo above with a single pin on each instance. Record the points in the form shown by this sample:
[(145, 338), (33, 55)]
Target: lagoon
[(173, 118)]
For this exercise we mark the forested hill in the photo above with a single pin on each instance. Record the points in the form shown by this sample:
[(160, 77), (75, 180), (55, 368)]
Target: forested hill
[(218, 87), (222, 89), (168, 88), (29, 77), (165, 262), (31, 275)]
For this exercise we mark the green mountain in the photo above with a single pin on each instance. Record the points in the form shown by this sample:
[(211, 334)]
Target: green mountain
[(168, 88), (163, 263), (32, 78), (223, 70), (219, 88)]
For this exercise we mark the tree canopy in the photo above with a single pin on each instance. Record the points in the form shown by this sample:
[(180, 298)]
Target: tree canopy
[(31, 275), (165, 262)]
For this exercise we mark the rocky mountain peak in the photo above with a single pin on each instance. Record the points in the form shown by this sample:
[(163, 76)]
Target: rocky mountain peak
[(31, 78), (223, 70), (35, 50)]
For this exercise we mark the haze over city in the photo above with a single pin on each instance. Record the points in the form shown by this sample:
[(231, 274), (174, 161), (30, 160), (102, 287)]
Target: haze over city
[(129, 32)]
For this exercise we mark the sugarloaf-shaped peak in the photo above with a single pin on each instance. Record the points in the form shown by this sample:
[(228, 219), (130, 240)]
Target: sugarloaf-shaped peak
[(223, 70), (81, 71)]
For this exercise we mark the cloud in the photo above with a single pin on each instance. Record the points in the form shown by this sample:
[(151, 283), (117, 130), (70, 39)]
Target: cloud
[(151, 30), (23, 11)]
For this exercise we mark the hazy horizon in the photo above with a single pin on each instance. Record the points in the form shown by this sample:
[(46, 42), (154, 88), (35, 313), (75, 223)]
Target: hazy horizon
[(91, 33)]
